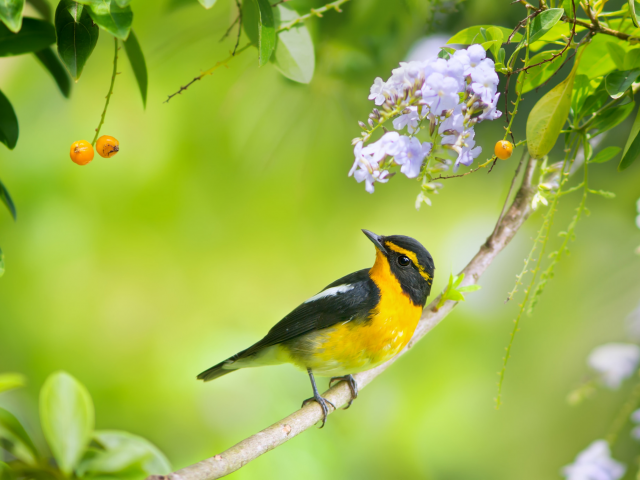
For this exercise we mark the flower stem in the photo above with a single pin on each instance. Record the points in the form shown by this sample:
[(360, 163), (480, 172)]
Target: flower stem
[(113, 81)]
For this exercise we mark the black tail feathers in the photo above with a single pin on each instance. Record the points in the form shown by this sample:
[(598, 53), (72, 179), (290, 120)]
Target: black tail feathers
[(214, 372)]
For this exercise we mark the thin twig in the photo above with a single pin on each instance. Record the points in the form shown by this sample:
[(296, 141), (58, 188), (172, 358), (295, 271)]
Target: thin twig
[(113, 81), (280, 432), (226, 34)]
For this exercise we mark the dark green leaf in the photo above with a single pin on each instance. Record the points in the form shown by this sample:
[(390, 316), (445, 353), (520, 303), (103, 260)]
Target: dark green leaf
[(617, 54), (139, 66), (111, 17), (611, 117), (568, 6), (43, 8), (605, 155), (618, 82), (259, 25), (544, 22), (154, 464), (9, 381), (67, 418), (6, 199), (632, 12), (549, 115), (8, 123), (632, 59), (34, 36), (595, 99), (77, 36), (52, 62), (468, 35), (536, 76), (632, 147), (581, 89), (22, 445), (207, 3), (294, 56), (11, 14)]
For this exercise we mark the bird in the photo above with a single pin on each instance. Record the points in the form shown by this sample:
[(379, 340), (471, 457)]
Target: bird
[(354, 324)]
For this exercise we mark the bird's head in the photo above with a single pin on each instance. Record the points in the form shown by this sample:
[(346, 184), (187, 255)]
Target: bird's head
[(407, 260)]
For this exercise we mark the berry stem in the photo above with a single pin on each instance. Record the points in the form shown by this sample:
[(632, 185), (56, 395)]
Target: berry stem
[(113, 81)]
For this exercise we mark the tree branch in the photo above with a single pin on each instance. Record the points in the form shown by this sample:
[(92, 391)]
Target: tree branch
[(251, 448)]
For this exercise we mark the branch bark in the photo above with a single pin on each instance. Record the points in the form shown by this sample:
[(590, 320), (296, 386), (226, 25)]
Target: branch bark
[(251, 448)]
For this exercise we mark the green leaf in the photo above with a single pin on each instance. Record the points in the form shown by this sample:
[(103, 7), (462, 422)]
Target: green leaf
[(536, 76), (455, 295), (207, 3), (294, 56), (617, 54), (11, 14), (596, 98), (22, 447), (259, 25), (632, 147), (603, 193), (6, 199), (560, 30), (544, 22), (52, 63), (111, 17), (9, 381), (67, 418), (605, 155), (611, 117), (618, 82), (122, 3), (35, 35), (470, 288), (581, 90), (139, 66), (8, 123), (77, 36), (568, 6), (155, 462), (458, 280), (43, 8), (632, 12), (597, 59), (631, 59), (468, 35), (549, 115)]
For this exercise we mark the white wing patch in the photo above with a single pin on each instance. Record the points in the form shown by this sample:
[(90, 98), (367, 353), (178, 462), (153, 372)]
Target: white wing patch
[(330, 292)]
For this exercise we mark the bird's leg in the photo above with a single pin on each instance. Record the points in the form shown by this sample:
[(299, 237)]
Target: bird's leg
[(317, 398), (353, 386)]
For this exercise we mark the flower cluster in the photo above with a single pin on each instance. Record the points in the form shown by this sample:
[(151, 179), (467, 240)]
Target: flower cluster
[(595, 463), (441, 100)]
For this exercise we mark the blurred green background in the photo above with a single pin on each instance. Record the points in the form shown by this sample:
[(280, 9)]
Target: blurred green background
[(231, 204)]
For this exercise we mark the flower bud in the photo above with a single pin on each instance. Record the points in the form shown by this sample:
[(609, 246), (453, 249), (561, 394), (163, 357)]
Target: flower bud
[(362, 125)]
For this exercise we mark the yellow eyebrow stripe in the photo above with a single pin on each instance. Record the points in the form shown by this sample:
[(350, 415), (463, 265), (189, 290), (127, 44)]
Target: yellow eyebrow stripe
[(412, 256)]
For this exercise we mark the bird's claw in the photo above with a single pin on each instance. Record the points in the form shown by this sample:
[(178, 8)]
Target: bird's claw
[(323, 403), (353, 386)]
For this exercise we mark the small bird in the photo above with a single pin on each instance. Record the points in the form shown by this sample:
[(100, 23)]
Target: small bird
[(354, 324)]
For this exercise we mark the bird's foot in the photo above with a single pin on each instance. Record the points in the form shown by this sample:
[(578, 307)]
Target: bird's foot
[(353, 386), (323, 403)]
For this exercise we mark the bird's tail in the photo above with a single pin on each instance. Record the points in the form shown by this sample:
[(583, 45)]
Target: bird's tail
[(255, 356), (216, 371)]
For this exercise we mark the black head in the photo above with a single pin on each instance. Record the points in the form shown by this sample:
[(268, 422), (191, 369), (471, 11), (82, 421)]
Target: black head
[(409, 262)]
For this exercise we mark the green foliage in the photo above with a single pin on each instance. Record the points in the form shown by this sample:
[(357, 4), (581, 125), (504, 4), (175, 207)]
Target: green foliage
[(11, 14), (294, 56), (8, 123), (67, 417), (9, 381), (472, 35), (34, 36), (543, 23), (454, 291), (538, 75), (632, 147), (138, 64), (548, 117), (52, 63), (617, 83), (111, 17), (605, 155), (259, 25), (5, 198), (77, 35), (207, 3)]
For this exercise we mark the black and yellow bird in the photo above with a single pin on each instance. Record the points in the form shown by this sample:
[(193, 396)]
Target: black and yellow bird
[(354, 324)]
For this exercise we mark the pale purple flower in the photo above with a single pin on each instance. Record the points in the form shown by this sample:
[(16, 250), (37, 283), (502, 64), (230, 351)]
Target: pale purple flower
[(380, 149), (615, 362), (378, 90), (440, 93), (595, 463), (410, 153), (409, 120), (491, 112), (485, 83), (476, 54), (405, 76), (362, 160), (370, 178)]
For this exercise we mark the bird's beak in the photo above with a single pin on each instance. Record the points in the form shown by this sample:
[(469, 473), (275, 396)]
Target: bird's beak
[(376, 239)]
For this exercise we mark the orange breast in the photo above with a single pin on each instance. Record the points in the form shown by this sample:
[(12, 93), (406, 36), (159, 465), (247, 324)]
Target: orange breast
[(360, 345)]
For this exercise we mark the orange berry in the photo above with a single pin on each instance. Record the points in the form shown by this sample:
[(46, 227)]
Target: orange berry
[(107, 146), (503, 149), (81, 152)]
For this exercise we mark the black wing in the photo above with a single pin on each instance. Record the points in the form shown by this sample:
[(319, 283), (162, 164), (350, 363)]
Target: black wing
[(324, 312)]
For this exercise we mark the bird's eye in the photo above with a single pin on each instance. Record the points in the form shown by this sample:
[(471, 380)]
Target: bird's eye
[(403, 260)]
